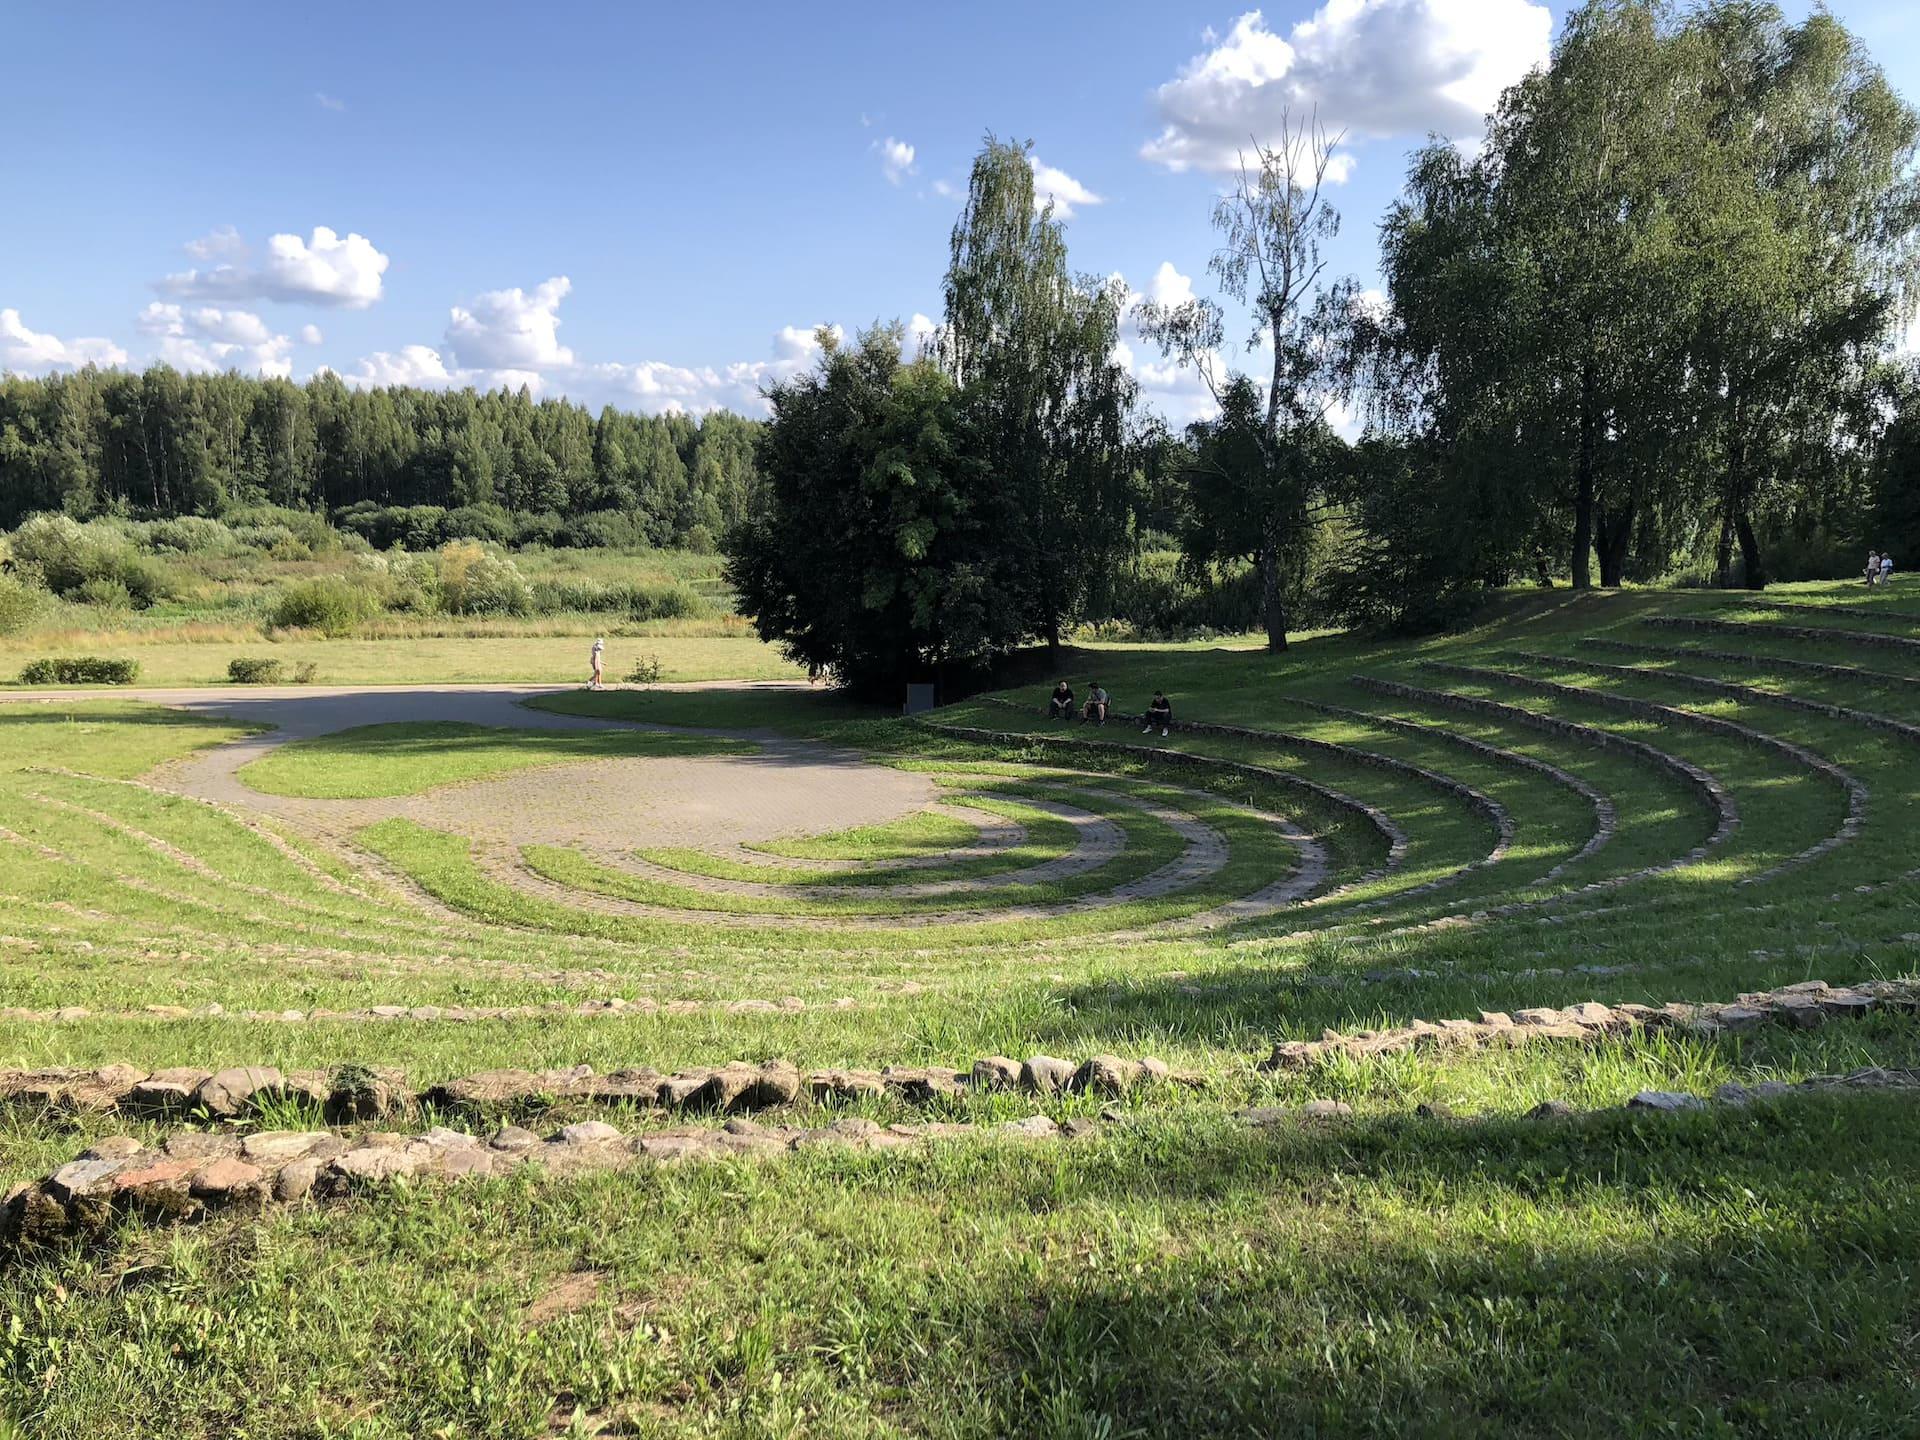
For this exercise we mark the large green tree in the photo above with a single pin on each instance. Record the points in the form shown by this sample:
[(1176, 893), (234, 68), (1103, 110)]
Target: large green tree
[(1261, 473), (1032, 348), (879, 553)]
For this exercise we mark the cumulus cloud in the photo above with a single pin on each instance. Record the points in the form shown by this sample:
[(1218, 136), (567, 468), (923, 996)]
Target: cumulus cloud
[(1066, 194), (207, 339), (328, 269), (310, 335), (410, 365), (511, 329), (1368, 68), (31, 352), (896, 159)]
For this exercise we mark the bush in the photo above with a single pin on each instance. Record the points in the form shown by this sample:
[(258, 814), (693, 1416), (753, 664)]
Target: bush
[(20, 605), (475, 581), (646, 671), (254, 670), (606, 530), (82, 670), (479, 522), (109, 592), (406, 584), (189, 535), (306, 526), (68, 555), (331, 606)]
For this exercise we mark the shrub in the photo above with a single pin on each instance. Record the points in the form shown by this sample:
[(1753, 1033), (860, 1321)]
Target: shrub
[(306, 526), (479, 522), (81, 670), (109, 592), (20, 605), (68, 555), (406, 584), (646, 671), (606, 530), (189, 535), (475, 581), (254, 670), (331, 606)]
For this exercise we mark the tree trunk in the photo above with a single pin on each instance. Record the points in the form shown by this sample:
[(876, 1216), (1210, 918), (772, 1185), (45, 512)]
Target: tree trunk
[(1615, 538), (1756, 576), (1723, 553), (1583, 486), (1273, 600)]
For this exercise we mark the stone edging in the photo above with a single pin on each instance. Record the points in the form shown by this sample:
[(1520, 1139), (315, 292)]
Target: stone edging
[(365, 1093), (1823, 634), (1806, 1005), (1605, 816), (1732, 689), (1760, 662), (1382, 823), (1727, 813), (1712, 724)]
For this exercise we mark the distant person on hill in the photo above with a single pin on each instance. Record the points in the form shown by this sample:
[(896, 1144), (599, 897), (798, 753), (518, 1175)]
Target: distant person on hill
[(1096, 707), (1060, 703), (599, 680), (1873, 567), (1159, 713), (1886, 568)]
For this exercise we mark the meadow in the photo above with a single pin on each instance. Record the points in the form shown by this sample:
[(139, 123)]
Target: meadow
[(1293, 1223)]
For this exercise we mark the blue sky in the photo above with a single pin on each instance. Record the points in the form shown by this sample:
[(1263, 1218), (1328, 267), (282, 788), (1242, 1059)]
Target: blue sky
[(654, 206)]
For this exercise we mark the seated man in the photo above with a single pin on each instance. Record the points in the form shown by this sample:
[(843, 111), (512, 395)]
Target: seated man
[(1159, 713), (1096, 708), (1060, 703)]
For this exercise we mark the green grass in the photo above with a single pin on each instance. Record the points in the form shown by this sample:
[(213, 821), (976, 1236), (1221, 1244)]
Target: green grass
[(1737, 1273), (407, 759)]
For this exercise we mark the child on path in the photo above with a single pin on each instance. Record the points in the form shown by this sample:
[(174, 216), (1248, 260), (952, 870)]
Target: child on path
[(598, 682)]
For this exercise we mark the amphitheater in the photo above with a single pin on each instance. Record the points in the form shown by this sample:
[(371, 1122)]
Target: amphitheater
[(285, 949)]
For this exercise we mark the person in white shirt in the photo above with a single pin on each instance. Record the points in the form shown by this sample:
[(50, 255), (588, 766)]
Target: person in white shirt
[(1873, 567), (1886, 568), (598, 682)]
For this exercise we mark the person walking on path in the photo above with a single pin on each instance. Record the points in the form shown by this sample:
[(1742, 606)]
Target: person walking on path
[(599, 681)]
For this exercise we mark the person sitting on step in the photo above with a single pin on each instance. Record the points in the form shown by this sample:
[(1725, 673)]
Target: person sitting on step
[(1096, 706), (1159, 713), (1060, 703)]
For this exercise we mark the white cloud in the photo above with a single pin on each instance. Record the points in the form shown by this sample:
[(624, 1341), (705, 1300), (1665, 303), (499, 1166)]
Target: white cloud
[(329, 269), (945, 189), (30, 352), (1368, 68), (1066, 194), (411, 365), (896, 159), (659, 387), (511, 329), (207, 339), (1169, 287), (310, 335), (328, 102)]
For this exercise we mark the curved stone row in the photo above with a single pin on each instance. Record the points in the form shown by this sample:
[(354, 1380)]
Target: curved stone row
[(1851, 673), (1490, 809), (1097, 842), (1863, 612), (612, 1007), (1822, 633), (1605, 816), (1382, 823), (1856, 792), (1205, 853), (998, 834), (1726, 811), (353, 1093), (1805, 1005), (193, 1175), (1733, 690)]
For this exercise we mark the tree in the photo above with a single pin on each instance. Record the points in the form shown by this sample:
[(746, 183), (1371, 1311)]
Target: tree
[(1263, 468), (880, 554), (1032, 349)]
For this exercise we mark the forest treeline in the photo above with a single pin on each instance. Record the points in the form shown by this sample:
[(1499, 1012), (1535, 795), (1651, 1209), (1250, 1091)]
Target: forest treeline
[(396, 464)]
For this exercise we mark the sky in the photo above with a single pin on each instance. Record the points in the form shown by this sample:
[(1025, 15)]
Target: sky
[(656, 206)]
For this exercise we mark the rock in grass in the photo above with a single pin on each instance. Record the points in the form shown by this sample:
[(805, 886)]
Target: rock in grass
[(588, 1132), (1325, 1110), (1550, 1110), (996, 1072), (1107, 1075), (1665, 1100), (232, 1092), (166, 1092), (1046, 1074)]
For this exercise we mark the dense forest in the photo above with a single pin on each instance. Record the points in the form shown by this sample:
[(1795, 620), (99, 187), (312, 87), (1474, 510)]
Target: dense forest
[(505, 466)]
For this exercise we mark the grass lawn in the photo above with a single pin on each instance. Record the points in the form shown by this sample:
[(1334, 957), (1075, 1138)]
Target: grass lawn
[(1177, 1270)]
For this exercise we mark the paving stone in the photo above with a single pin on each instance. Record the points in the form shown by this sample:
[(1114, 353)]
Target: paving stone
[(228, 1093), (588, 1132), (229, 1182)]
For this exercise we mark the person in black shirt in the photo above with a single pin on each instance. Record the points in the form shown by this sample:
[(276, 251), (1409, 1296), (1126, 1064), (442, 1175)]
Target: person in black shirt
[(1159, 713), (1060, 703)]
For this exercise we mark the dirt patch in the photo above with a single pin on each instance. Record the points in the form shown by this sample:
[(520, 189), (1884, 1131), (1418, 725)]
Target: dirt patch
[(564, 1296)]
